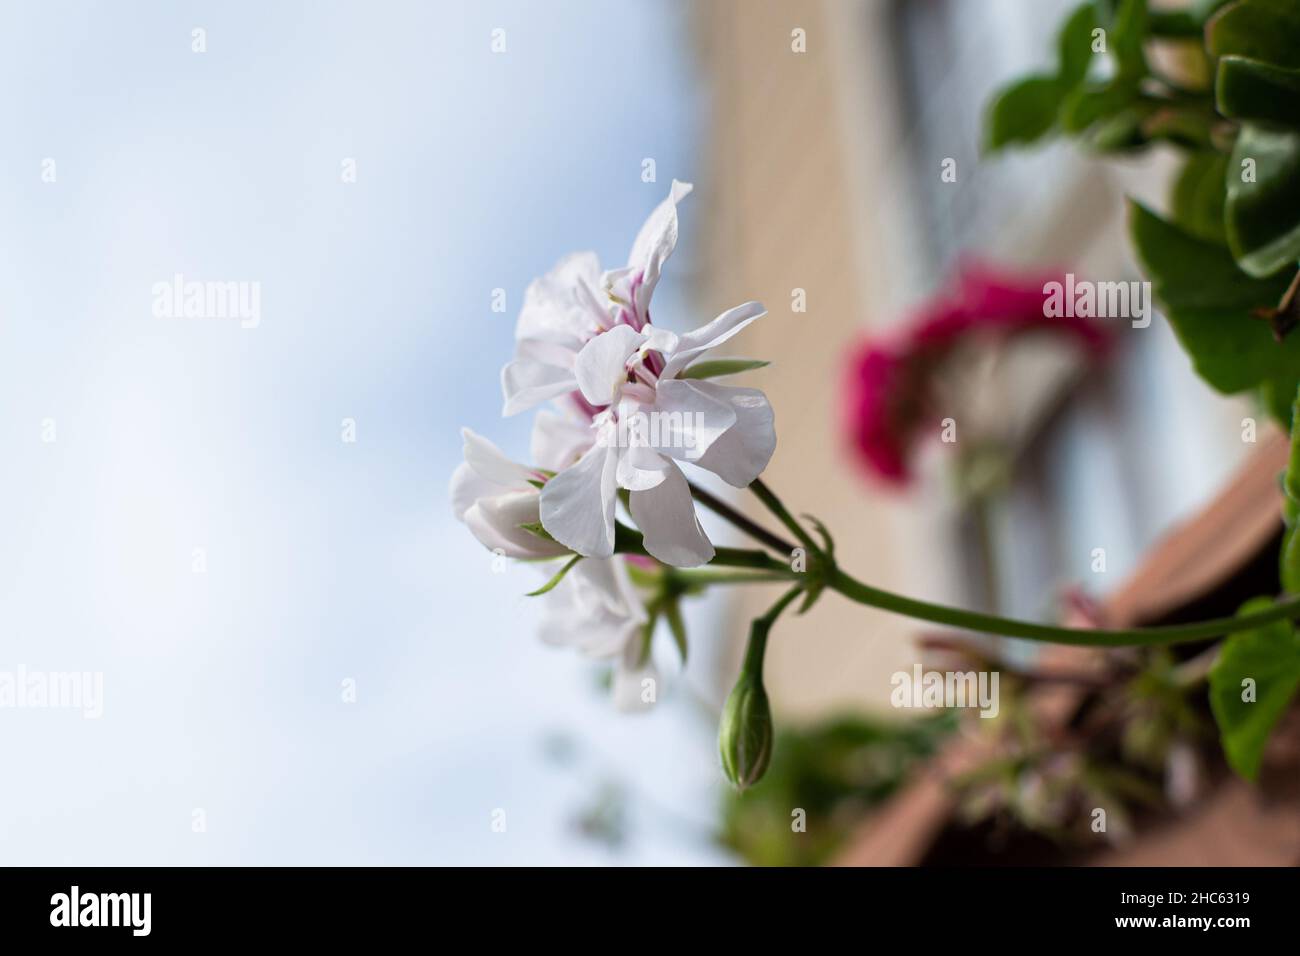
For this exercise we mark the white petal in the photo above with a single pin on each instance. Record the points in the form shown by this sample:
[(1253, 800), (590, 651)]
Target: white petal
[(577, 505), (467, 487), (659, 340), (496, 523), (666, 516), (559, 440), (689, 419), (491, 463), (526, 383), (595, 608), (558, 308), (693, 343), (655, 243), (640, 468), (744, 449), (601, 367)]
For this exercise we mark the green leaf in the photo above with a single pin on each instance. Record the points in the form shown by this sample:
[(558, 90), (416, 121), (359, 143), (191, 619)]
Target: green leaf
[(1123, 131), (1128, 32), (1174, 24), (1252, 90), (828, 543), (811, 595), (1263, 217), (647, 634), (1290, 558), (1270, 658), (1199, 191), (1074, 46), (1191, 128), (535, 528), (1023, 112), (677, 626), (1277, 395), (559, 576), (1209, 302), (716, 368), (1089, 104), (1267, 30)]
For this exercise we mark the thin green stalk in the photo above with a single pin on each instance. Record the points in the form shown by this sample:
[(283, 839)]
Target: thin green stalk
[(751, 528), (773, 504), (629, 542), (1098, 637), (759, 630), (718, 576)]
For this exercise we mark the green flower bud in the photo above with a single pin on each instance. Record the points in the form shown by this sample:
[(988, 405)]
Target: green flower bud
[(745, 734)]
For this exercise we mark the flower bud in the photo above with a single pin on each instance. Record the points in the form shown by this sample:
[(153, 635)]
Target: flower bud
[(745, 734)]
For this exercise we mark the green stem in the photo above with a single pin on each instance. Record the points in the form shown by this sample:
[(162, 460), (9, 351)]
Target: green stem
[(774, 505), (751, 528), (629, 542), (716, 576), (1098, 637), (758, 631)]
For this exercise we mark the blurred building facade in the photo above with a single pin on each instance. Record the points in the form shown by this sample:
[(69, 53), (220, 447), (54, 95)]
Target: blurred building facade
[(830, 122)]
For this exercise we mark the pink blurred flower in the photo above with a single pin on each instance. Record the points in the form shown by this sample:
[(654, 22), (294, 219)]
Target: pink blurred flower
[(889, 392)]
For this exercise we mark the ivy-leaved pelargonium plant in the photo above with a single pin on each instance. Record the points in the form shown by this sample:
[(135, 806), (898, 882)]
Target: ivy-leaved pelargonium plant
[(605, 507)]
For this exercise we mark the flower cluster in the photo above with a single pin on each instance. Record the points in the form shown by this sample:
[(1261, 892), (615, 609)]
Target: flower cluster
[(890, 393), (626, 401)]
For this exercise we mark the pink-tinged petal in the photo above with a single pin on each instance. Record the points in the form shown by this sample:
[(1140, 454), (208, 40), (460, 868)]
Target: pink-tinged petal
[(525, 383), (491, 463), (744, 449), (689, 419), (694, 343), (496, 523), (559, 440), (577, 505), (601, 368), (666, 516), (559, 307), (652, 247)]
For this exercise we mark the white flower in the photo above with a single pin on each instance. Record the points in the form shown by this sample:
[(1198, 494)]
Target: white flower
[(727, 430), (494, 496), (575, 302), (596, 609)]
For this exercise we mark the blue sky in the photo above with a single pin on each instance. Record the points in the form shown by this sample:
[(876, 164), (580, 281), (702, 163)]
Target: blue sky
[(325, 560)]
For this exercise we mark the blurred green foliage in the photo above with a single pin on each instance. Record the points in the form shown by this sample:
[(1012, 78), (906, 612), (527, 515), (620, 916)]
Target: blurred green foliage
[(824, 777)]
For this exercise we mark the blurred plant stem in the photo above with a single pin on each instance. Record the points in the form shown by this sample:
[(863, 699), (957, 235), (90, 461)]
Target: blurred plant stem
[(821, 571)]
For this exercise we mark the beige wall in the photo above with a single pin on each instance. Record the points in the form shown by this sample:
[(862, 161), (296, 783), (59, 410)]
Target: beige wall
[(779, 213)]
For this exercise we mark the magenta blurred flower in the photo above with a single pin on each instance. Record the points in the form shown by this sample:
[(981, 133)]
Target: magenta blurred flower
[(890, 388)]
